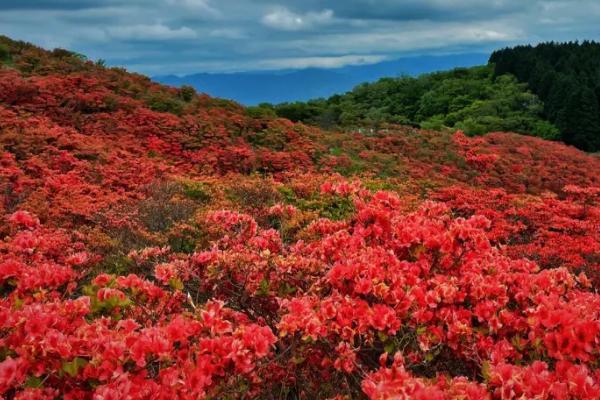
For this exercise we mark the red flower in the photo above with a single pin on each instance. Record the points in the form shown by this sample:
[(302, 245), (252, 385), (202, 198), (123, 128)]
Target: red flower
[(23, 219)]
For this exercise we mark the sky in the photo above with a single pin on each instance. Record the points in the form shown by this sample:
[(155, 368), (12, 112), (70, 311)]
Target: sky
[(159, 37)]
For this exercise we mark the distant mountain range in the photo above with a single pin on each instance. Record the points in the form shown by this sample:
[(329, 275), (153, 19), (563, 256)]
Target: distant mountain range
[(251, 88)]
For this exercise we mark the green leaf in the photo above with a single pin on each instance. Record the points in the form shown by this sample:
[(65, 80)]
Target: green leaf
[(263, 288), (286, 289), (389, 348), (33, 382), (485, 371), (18, 303), (72, 367), (307, 339), (298, 360), (176, 283)]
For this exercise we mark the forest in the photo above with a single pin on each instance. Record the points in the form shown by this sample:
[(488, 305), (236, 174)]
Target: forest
[(470, 99), (551, 91), (157, 243), (566, 77)]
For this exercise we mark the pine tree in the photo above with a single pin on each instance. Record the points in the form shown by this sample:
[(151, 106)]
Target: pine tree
[(579, 120), (565, 76)]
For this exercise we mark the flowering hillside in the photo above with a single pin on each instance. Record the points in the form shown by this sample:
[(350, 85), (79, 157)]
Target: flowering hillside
[(159, 244)]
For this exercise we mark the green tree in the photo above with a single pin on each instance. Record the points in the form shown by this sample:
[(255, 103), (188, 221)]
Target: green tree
[(472, 99), (187, 93), (579, 120), (566, 77), (4, 53)]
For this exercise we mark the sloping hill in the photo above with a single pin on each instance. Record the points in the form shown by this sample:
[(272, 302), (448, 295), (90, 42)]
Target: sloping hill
[(471, 99), (163, 244), (251, 88)]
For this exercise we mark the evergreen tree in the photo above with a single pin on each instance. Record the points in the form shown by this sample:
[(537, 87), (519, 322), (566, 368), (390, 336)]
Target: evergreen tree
[(579, 120), (566, 77)]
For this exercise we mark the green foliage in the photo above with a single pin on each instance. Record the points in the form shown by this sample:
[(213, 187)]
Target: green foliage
[(182, 244), (434, 123), (471, 99), (115, 264), (62, 53), (187, 93), (336, 208), (272, 138), (34, 382), (73, 367), (109, 306), (5, 56), (197, 191), (288, 194), (566, 76), (261, 111), (183, 238), (164, 103), (299, 111), (580, 119), (333, 207), (546, 130)]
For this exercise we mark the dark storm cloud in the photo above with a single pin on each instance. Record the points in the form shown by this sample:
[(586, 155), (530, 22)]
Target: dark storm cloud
[(54, 4), (184, 36)]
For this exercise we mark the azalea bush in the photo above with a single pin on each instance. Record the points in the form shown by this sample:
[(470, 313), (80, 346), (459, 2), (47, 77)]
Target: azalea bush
[(210, 253), (387, 302)]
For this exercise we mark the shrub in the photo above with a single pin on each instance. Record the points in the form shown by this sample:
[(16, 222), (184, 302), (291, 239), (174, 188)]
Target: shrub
[(5, 55), (197, 191), (163, 207), (164, 103), (187, 93)]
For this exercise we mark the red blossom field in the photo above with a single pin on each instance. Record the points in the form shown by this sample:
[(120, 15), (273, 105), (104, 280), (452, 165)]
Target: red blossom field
[(158, 244)]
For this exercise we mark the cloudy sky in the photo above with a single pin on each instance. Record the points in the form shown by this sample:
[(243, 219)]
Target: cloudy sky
[(186, 36)]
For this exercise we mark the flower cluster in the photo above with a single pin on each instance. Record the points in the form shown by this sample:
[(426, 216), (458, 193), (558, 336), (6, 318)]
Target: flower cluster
[(159, 244)]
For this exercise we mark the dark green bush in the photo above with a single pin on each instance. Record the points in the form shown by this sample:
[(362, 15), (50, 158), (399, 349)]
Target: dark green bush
[(197, 191), (187, 93), (4, 53), (163, 103)]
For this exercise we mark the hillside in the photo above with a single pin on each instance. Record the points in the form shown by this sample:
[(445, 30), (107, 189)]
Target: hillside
[(470, 99), (253, 88), (550, 90), (566, 76), (158, 243)]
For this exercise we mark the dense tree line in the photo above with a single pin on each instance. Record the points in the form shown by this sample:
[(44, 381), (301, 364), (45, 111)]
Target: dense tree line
[(566, 76), (471, 99)]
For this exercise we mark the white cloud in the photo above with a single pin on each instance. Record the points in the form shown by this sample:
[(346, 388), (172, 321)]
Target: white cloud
[(202, 6), (389, 38), (319, 62), (286, 20), (265, 64), (150, 32)]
